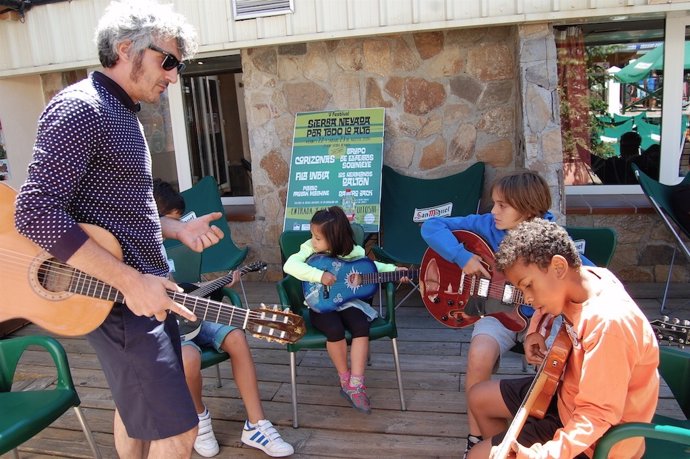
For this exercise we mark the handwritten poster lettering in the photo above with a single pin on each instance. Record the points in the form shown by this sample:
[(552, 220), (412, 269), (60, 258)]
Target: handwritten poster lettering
[(332, 152)]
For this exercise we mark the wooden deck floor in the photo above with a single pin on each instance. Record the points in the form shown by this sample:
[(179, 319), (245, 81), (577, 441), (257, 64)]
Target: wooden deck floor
[(433, 361)]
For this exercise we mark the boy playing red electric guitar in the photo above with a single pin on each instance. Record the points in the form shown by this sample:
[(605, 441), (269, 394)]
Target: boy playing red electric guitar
[(610, 375), (517, 197)]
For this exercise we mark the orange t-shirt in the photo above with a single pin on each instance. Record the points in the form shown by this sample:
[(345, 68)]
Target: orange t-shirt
[(611, 375)]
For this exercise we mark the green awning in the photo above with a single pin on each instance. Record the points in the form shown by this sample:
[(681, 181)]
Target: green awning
[(653, 60)]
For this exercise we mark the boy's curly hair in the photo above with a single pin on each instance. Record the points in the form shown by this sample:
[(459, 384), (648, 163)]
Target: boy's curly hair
[(536, 242)]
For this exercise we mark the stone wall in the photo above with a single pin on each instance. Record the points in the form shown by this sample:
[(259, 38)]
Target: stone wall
[(645, 247), (452, 98)]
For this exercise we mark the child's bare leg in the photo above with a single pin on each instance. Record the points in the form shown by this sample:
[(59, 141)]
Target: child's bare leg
[(491, 413), (359, 351), (337, 351), (244, 372), (191, 358), (482, 357)]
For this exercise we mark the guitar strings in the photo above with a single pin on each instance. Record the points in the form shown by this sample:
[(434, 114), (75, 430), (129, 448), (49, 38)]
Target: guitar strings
[(63, 271)]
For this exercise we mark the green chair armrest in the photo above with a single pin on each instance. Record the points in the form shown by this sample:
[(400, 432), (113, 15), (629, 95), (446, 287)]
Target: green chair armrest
[(12, 349), (640, 429)]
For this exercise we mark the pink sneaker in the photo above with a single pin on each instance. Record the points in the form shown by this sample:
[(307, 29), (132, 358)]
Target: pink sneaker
[(357, 396)]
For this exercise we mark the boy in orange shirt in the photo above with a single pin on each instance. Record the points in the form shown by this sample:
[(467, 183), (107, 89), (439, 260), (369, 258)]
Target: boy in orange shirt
[(611, 374)]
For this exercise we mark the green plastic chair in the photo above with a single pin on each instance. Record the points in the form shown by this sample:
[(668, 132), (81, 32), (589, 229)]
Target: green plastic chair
[(660, 197), (187, 269), (23, 414), (404, 198), (600, 243), (291, 295), (203, 198), (665, 437)]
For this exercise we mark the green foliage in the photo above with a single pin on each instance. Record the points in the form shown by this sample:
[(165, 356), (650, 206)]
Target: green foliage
[(597, 77)]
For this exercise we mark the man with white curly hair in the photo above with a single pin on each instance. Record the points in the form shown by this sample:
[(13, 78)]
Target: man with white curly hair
[(91, 165)]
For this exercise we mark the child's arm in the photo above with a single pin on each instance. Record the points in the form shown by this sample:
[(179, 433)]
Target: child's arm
[(438, 233), (296, 265)]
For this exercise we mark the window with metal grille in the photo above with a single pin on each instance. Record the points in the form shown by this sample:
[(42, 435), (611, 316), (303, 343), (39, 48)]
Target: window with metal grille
[(249, 9)]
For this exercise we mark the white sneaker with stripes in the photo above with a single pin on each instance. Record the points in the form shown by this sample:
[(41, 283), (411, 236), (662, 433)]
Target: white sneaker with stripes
[(206, 444), (266, 438)]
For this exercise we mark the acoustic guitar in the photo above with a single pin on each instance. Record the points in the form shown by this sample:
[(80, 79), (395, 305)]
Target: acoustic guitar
[(68, 302), (355, 279), (458, 300), (540, 393), (189, 329), (551, 370), (674, 331)]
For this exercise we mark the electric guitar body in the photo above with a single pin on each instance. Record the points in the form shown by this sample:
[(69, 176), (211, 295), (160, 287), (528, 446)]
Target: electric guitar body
[(458, 300)]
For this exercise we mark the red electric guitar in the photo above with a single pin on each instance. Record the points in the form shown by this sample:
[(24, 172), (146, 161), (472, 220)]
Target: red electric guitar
[(458, 300)]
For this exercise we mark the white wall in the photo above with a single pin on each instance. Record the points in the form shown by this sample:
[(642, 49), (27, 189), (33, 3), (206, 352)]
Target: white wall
[(22, 104)]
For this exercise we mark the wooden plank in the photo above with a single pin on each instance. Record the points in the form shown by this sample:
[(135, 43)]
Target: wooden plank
[(433, 360)]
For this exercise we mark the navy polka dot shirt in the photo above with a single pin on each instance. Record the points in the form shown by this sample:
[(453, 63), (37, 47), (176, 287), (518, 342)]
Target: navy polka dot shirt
[(91, 164)]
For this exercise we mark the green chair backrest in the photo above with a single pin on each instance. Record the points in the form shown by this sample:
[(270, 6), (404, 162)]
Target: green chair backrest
[(26, 412), (674, 367), (600, 243), (661, 194), (11, 350), (203, 198), (187, 263), (404, 199)]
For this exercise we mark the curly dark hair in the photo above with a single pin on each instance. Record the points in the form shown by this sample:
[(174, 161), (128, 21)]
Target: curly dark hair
[(167, 198), (336, 230), (536, 242)]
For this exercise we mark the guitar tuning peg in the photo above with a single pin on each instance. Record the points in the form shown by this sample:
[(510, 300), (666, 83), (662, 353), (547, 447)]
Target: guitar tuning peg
[(676, 320), (686, 323), (665, 318)]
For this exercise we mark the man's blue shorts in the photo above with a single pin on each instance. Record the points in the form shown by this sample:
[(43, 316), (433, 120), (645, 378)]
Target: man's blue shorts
[(142, 361)]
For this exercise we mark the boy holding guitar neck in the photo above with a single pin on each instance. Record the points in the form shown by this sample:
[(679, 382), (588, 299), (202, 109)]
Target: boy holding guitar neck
[(258, 432), (610, 375), (332, 234), (517, 197)]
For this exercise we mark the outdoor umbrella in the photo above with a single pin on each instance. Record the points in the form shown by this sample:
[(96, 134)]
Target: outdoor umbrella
[(653, 60)]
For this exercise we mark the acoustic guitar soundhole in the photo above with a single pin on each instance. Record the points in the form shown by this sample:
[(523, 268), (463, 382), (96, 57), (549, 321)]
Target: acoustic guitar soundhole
[(51, 278)]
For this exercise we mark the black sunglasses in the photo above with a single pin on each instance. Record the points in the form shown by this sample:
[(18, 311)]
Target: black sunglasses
[(170, 62)]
